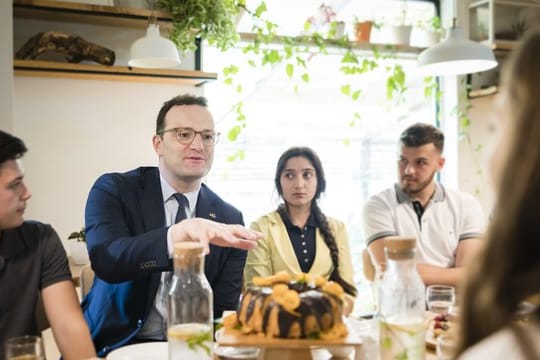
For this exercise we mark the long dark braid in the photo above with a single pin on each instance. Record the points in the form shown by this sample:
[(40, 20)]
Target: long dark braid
[(330, 241), (320, 218)]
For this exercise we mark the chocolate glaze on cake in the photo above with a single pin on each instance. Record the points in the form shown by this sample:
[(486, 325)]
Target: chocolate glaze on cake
[(318, 312)]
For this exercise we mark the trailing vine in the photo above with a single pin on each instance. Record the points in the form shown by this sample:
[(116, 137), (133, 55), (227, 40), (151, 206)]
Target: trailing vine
[(215, 21)]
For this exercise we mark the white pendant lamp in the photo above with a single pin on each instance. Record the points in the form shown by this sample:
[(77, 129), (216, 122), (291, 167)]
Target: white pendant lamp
[(456, 55), (153, 51)]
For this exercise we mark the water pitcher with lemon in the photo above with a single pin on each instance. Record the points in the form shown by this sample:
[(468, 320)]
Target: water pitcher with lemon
[(189, 306), (401, 303)]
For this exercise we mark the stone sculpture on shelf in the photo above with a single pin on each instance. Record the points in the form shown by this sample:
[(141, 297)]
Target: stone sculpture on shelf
[(73, 47)]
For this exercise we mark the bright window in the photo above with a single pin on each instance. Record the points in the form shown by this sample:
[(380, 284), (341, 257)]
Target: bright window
[(358, 154)]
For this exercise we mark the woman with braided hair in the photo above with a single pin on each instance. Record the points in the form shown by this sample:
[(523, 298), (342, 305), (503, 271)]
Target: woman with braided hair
[(298, 237)]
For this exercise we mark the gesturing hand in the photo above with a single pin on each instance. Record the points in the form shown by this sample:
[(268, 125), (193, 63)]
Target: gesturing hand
[(210, 232)]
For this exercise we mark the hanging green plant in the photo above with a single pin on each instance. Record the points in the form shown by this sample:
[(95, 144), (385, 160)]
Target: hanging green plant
[(211, 20)]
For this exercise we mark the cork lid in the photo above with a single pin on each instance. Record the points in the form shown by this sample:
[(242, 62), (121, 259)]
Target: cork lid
[(399, 244), (188, 254), (188, 247)]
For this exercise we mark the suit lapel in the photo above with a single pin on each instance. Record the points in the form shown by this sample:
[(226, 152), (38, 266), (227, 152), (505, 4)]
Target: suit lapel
[(205, 206), (207, 210), (278, 232), (322, 259), (151, 200)]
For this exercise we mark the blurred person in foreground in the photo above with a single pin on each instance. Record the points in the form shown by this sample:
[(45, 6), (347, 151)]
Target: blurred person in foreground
[(133, 220), (298, 236), (447, 223), (33, 264), (508, 271)]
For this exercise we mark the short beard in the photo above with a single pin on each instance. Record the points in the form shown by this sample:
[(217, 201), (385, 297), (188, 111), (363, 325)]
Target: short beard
[(421, 187)]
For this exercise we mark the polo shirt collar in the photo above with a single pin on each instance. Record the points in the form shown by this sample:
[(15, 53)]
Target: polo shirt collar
[(288, 223), (403, 197)]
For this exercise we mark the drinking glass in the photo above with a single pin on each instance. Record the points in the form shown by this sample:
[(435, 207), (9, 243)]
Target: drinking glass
[(440, 298), (445, 346), (24, 348)]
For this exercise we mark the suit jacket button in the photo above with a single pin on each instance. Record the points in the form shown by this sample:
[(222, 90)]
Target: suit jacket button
[(139, 323), (105, 350)]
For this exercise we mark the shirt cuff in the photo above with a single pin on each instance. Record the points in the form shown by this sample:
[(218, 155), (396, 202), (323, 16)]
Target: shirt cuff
[(170, 245)]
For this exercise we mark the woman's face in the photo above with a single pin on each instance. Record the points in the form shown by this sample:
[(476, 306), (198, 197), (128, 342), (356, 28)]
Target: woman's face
[(298, 182), (501, 119)]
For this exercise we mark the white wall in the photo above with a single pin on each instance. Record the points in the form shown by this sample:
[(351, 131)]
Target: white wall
[(6, 65), (76, 130), (469, 154), (475, 152)]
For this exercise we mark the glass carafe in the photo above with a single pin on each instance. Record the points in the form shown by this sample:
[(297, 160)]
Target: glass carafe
[(401, 303), (189, 306)]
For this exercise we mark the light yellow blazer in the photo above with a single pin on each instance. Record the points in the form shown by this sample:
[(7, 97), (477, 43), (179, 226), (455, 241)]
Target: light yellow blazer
[(275, 252)]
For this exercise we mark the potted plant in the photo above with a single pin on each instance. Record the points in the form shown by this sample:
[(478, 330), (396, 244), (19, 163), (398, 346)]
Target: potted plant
[(519, 28), (211, 20), (77, 248), (362, 29), (337, 29), (428, 32), (400, 30)]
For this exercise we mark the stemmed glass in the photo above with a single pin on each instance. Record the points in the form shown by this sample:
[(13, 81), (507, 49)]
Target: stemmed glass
[(445, 347), (440, 298)]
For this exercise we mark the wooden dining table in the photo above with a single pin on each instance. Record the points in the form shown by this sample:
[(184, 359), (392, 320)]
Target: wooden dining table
[(362, 343)]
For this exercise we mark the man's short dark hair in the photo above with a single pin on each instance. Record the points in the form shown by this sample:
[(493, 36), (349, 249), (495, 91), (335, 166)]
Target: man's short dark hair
[(421, 134), (11, 147), (185, 99)]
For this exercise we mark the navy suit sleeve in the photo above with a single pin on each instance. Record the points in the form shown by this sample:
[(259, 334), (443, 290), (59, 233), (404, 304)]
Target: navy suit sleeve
[(120, 248)]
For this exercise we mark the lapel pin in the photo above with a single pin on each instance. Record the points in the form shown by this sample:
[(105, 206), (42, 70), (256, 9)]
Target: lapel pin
[(212, 215)]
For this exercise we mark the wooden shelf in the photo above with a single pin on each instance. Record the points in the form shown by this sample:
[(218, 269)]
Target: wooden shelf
[(413, 51), (504, 45), (483, 92), (115, 73), (501, 23), (49, 10)]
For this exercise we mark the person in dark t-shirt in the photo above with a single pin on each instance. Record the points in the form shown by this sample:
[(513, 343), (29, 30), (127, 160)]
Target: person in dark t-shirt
[(33, 263)]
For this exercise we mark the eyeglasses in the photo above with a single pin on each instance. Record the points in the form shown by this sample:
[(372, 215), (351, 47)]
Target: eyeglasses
[(186, 136)]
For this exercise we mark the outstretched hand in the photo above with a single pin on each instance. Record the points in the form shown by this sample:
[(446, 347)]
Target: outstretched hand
[(210, 232)]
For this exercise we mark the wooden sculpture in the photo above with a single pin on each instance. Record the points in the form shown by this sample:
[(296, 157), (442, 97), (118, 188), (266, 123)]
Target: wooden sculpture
[(75, 48)]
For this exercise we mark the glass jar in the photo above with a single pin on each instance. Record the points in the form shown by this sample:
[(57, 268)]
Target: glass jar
[(401, 303), (189, 305)]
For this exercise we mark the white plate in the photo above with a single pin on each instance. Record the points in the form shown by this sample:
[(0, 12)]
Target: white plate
[(219, 333), (232, 352), (144, 351)]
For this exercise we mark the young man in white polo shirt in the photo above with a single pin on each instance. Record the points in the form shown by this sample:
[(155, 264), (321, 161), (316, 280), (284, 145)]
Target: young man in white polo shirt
[(446, 223)]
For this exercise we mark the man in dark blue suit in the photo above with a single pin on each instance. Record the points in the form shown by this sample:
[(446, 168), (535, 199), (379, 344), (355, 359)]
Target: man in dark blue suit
[(131, 229)]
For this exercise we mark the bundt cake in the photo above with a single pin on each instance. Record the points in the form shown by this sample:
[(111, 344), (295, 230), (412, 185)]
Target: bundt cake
[(285, 307)]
